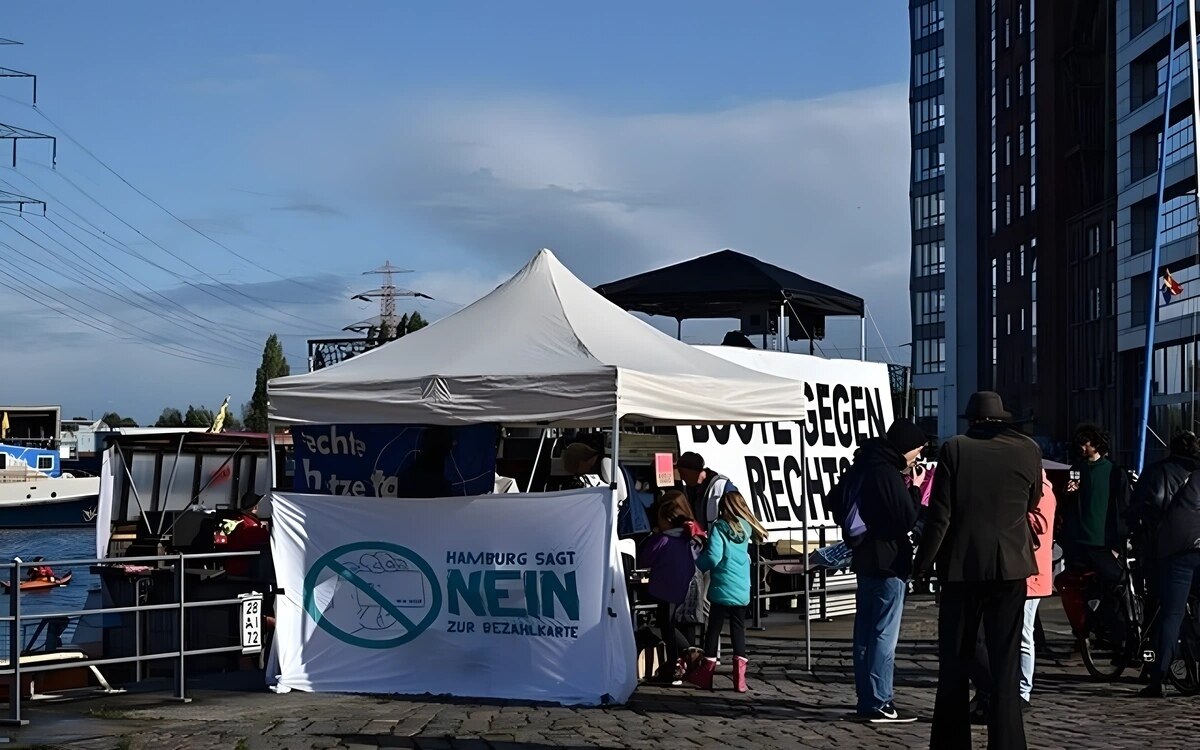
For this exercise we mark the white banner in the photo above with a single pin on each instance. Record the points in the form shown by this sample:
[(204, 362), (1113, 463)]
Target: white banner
[(499, 596), (848, 402)]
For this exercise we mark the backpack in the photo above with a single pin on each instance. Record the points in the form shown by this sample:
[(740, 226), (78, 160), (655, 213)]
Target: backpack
[(843, 504)]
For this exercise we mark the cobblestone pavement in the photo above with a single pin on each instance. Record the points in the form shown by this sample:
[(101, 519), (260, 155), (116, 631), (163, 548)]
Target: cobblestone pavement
[(787, 708)]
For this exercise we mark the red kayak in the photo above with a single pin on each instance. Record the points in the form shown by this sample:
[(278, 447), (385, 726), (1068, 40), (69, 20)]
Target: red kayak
[(39, 583)]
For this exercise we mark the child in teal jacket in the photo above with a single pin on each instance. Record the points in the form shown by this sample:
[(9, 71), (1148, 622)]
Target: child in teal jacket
[(727, 556)]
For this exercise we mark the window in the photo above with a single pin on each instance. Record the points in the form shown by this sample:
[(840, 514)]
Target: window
[(1021, 200), (1007, 33), (45, 463), (1020, 80), (1007, 92), (1179, 218), (929, 210), (927, 403), (1007, 150), (930, 258), (931, 306), (1021, 140), (1008, 268), (929, 113), (927, 19), (1021, 260), (931, 355), (1020, 19), (1008, 209), (929, 162), (928, 66), (1092, 242), (1008, 324)]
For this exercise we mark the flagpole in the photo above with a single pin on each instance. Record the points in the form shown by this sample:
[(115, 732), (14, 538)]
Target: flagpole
[(1152, 313)]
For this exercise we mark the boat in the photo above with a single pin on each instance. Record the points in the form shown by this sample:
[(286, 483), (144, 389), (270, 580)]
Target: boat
[(36, 493), (40, 584)]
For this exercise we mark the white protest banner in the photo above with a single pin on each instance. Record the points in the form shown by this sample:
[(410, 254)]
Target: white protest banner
[(499, 596), (848, 402)]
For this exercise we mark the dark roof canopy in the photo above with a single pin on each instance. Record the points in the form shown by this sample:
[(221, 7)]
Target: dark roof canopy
[(728, 284)]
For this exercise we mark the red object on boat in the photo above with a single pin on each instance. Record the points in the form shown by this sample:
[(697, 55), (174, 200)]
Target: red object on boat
[(37, 584), (249, 534)]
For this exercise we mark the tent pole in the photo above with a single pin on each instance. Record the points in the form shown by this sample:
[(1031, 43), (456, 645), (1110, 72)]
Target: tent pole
[(536, 458), (272, 461), (807, 581), (679, 329), (782, 333), (862, 334)]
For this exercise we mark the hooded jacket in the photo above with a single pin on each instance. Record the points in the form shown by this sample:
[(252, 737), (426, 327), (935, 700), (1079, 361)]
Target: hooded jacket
[(1153, 492), (668, 555), (888, 508)]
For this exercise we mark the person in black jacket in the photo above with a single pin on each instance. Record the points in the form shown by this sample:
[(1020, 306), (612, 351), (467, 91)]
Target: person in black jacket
[(977, 531), (1178, 563), (873, 488), (1151, 495)]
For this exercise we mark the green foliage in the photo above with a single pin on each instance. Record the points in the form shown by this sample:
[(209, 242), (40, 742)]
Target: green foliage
[(198, 417), (113, 419), (416, 323), (170, 418), (274, 365)]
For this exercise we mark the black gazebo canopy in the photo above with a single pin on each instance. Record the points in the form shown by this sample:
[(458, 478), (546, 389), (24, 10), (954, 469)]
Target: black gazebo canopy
[(729, 284)]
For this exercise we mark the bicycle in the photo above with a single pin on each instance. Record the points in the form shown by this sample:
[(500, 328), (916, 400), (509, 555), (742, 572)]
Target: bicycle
[(1106, 660)]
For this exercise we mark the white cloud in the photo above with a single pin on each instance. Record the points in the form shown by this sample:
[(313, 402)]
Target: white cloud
[(818, 186)]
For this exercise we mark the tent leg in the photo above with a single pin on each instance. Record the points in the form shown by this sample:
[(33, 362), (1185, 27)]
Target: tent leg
[(862, 334), (272, 460), (807, 581), (780, 328), (679, 329)]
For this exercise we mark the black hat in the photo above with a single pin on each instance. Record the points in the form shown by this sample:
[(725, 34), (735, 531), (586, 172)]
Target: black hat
[(906, 436), (690, 460), (986, 405)]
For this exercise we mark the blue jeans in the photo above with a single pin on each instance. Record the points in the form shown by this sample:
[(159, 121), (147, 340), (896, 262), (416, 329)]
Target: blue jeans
[(1179, 573), (879, 603)]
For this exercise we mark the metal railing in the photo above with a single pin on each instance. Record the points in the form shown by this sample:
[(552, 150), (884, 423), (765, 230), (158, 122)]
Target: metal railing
[(14, 670)]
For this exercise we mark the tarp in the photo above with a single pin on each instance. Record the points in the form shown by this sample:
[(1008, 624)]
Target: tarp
[(726, 284), (849, 402), (542, 349), (423, 596)]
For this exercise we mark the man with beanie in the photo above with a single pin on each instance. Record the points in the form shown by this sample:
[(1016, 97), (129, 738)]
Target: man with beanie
[(977, 532), (873, 489)]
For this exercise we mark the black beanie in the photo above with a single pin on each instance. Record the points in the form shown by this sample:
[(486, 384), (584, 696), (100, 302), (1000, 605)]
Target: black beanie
[(905, 436)]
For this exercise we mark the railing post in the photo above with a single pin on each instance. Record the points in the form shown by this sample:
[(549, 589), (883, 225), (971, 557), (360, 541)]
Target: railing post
[(14, 646), (137, 628), (181, 694)]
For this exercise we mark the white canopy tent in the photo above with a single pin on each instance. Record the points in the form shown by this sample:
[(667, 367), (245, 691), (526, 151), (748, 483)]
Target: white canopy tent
[(544, 349)]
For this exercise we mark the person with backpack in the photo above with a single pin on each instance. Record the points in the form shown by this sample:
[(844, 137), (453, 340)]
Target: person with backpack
[(670, 555), (727, 556), (877, 512)]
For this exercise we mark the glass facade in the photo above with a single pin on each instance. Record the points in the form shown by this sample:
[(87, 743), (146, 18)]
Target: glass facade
[(928, 207)]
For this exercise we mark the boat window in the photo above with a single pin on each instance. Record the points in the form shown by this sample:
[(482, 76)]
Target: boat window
[(45, 463)]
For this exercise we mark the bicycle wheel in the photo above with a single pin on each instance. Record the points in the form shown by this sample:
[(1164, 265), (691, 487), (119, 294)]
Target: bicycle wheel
[(1184, 673), (1100, 658)]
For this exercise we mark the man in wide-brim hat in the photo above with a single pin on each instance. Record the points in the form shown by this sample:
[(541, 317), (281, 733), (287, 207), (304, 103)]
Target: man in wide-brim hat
[(977, 533)]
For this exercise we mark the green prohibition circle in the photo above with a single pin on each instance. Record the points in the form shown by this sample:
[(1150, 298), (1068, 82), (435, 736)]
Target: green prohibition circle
[(330, 560)]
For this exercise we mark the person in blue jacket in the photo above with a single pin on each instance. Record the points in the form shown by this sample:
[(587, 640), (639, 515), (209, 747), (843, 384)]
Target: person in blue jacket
[(727, 556)]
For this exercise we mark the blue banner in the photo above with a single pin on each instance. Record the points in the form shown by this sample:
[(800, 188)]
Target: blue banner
[(374, 460)]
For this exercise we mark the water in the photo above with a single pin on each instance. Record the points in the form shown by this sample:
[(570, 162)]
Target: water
[(52, 544)]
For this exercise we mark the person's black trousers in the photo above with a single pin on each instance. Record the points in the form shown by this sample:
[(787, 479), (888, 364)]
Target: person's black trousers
[(1000, 606)]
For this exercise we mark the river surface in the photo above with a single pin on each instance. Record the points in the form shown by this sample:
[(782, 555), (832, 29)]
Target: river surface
[(51, 544)]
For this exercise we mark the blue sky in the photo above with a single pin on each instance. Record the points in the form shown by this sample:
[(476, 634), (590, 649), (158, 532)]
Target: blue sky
[(452, 138)]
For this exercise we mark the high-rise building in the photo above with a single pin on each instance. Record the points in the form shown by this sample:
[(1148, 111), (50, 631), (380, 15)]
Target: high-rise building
[(928, 209), (1146, 32), (1028, 151)]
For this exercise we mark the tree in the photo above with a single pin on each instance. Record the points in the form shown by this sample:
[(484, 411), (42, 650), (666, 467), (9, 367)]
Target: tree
[(169, 418), (385, 333), (201, 417), (232, 423), (274, 365), (113, 419), (416, 323)]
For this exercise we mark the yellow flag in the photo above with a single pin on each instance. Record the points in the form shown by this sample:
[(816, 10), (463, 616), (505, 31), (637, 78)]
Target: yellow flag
[(219, 420)]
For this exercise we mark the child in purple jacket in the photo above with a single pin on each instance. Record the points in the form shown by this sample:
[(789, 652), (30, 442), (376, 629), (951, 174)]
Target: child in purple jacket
[(672, 563)]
